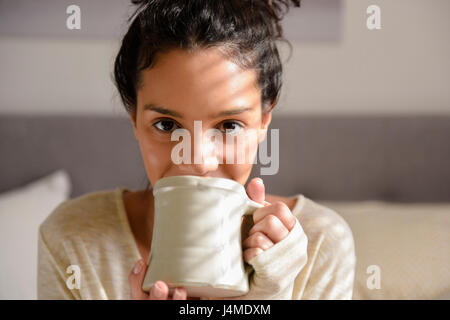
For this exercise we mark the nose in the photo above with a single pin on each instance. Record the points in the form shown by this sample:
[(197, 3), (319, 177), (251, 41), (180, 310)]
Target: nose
[(204, 155)]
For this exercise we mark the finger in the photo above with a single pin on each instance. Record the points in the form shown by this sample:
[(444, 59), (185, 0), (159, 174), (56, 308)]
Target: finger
[(278, 209), (179, 294), (272, 227), (159, 291), (258, 240), (135, 281), (256, 190), (249, 254)]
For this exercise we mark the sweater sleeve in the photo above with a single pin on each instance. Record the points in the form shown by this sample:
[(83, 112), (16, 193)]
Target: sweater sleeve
[(51, 276)]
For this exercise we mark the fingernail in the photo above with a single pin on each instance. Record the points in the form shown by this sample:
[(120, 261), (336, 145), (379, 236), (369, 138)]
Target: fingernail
[(158, 290), (138, 267), (260, 181)]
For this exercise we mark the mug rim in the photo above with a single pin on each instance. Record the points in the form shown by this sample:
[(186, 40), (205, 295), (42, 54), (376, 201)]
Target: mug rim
[(181, 181), (191, 180)]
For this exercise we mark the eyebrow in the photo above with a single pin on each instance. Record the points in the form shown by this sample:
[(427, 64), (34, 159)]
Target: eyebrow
[(163, 110)]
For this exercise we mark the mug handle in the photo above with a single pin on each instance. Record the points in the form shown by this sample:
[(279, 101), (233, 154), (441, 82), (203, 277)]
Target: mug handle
[(253, 205)]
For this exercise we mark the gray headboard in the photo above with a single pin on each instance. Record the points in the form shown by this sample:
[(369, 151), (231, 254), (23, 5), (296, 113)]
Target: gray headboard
[(404, 159)]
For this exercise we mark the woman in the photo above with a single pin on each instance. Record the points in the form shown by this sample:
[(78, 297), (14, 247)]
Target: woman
[(216, 62)]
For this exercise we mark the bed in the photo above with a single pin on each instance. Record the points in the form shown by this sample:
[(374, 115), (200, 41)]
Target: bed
[(387, 176)]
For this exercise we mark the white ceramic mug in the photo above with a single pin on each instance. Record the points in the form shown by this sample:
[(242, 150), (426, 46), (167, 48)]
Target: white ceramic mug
[(196, 240)]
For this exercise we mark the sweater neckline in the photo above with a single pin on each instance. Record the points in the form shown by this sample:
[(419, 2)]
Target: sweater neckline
[(300, 199)]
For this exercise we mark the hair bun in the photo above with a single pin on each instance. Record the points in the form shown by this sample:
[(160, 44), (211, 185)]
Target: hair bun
[(281, 7), (277, 9), (139, 2)]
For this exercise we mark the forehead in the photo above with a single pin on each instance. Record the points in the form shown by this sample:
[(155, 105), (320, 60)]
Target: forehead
[(203, 77)]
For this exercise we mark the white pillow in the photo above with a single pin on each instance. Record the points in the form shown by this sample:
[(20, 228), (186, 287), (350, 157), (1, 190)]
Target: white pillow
[(21, 212)]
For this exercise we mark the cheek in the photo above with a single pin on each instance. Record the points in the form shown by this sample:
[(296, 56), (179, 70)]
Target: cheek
[(242, 147), (249, 147), (155, 153)]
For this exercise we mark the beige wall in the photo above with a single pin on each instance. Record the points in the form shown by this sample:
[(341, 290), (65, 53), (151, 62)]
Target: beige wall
[(57, 76), (403, 68)]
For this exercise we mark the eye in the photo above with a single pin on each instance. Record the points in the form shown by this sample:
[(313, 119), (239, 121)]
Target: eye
[(165, 125), (232, 127)]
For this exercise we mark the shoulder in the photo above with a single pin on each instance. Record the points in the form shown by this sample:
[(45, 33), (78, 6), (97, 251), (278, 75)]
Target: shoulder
[(80, 216), (320, 223), (325, 225)]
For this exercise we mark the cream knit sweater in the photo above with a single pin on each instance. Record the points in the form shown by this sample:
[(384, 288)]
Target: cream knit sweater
[(315, 261)]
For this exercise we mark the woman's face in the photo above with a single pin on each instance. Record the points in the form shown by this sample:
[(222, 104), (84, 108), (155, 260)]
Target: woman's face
[(183, 87)]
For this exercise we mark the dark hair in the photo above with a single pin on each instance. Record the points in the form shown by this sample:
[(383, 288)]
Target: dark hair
[(245, 31)]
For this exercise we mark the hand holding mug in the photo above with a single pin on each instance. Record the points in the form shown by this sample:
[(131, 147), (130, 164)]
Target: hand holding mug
[(196, 234), (272, 223), (159, 291)]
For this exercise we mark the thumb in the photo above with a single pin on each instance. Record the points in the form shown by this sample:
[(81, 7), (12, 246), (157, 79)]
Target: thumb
[(256, 190)]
